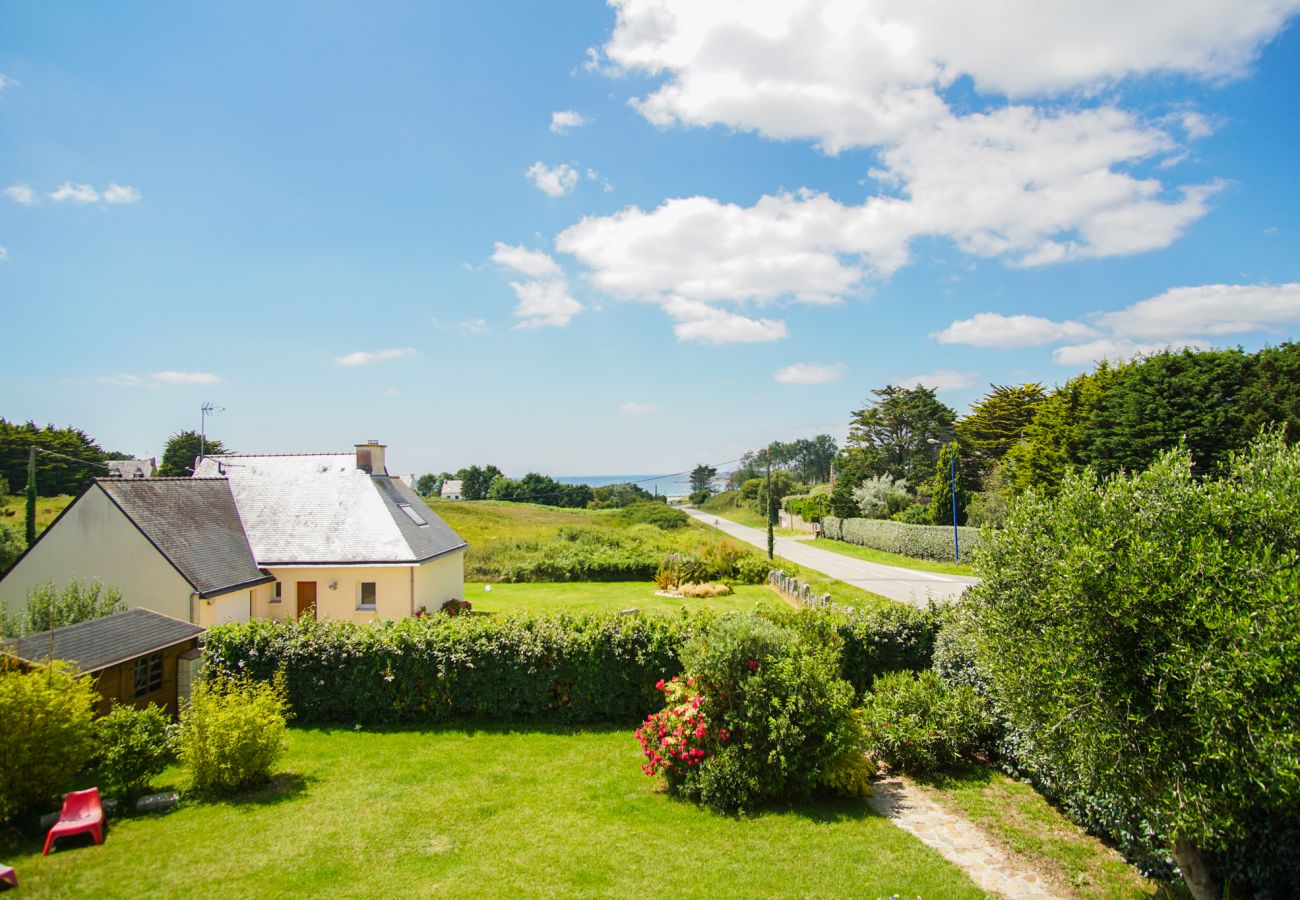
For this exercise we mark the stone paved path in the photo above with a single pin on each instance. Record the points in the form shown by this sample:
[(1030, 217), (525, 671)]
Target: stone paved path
[(959, 841)]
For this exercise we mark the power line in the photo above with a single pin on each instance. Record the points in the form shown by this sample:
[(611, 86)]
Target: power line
[(86, 462)]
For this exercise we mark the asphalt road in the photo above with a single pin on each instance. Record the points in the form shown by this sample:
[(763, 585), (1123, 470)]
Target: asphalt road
[(907, 585)]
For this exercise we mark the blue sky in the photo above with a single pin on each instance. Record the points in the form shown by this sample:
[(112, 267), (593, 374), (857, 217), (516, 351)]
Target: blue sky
[(342, 225)]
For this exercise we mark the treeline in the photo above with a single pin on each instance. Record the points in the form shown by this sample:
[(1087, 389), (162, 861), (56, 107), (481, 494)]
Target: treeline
[(897, 462), (490, 483), (807, 460), (54, 474)]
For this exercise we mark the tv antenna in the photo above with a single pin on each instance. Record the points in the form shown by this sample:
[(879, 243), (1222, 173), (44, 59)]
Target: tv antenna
[(207, 409)]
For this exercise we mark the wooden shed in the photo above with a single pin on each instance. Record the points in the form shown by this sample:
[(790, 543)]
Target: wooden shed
[(136, 657)]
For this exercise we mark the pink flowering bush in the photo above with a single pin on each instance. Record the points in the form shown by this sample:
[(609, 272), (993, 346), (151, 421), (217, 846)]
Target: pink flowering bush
[(762, 715)]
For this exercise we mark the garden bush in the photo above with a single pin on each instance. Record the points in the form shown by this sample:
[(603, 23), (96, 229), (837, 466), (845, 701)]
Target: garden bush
[(918, 541), (917, 723), (46, 735), (660, 515), (762, 716), (232, 733), (1141, 635), (11, 545), (133, 747), (876, 637), (752, 569)]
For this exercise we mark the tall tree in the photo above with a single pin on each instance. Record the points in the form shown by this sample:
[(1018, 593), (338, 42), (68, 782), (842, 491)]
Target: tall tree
[(891, 433), (997, 423), (427, 484), (476, 481), (1272, 395), (79, 457), (942, 489), (702, 479), (181, 452)]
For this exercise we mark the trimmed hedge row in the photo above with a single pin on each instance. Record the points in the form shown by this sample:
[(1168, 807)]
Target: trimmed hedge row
[(553, 669), (919, 541)]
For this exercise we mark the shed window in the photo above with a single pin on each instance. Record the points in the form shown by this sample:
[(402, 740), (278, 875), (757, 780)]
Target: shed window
[(412, 514), (148, 674), (367, 599)]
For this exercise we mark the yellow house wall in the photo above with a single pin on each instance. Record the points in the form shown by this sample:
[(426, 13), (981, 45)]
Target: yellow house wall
[(430, 584), (95, 539), (233, 607)]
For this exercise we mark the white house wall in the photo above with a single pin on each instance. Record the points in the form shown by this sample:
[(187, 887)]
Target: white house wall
[(440, 580), (399, 590), (95, 539)]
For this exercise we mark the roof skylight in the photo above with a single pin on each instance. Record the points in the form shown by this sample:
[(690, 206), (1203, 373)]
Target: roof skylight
[(412, 514)]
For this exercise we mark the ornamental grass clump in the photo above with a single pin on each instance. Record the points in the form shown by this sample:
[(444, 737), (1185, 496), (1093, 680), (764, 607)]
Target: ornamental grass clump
[(762, 715)]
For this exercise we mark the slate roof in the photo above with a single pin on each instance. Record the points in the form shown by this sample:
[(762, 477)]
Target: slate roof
[(320, 509), (100, 643), (132, 468), (452, 488), (194, 523)]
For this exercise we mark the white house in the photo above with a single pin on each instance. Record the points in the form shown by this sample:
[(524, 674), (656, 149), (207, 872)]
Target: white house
[(452, 490), (255, 536), (132, 468)]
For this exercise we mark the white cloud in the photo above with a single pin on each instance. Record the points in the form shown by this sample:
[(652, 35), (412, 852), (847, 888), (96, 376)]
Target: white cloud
[(158, 379), (533, 263), (1210, 310), (21, 193), (116, 193), (563, 120), (995, 330), (78, 193), (639, 408), (544, 302), (807, 373), (6, 82), (366, 357), (708, 324), (848, 73), (1114, 349), (941, 380), (4, 254), (554, 182)]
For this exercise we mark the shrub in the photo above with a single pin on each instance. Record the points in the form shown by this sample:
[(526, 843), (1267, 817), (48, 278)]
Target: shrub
[(1141, 636), (79, 601), (914, 514), (678, 569), (917, 541), (232, 733), (881, 496), (46, 734), (454, 607), (771, 717), (917, 723), (752, 569), (876, 637), (134, 746), (11, 545), (661, 515)]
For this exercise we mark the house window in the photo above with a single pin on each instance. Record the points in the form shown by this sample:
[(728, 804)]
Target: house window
[(367, 599), (276, 595), (148, 675)]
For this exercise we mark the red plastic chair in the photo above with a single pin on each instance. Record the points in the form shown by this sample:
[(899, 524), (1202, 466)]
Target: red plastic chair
[(81, 812)]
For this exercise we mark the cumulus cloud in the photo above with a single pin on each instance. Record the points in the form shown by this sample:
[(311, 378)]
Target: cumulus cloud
[(941, 380), (543, 300), (639, 408), (366, 357), (807, 373), (1179, 317), (21, 193), (708, 324), (848, 73), (116, 193), (563, 120), (996, 330), (553, 181), (158, 379), (77, 193), (4, 254)]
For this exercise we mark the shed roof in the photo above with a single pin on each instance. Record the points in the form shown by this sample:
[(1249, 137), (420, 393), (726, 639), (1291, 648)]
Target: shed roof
[(320, 509), (195, 524), (100, 643)]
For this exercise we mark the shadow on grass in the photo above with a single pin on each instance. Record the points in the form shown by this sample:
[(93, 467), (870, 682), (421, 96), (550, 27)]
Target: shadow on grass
[(963, 776), (282, 788), (472, 728)]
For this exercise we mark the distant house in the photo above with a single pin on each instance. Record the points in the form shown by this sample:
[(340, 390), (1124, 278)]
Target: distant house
[(452, 490), (132, 468), (255, 536), (136, 657)]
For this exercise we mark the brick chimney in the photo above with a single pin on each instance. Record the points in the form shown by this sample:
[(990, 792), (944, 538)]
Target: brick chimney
[(370, 458)]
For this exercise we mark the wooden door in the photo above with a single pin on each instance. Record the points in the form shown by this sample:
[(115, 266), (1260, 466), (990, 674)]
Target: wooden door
[(306, 598)]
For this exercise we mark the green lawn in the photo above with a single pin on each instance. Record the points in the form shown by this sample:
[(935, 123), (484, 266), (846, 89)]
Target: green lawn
[(608, 596), (482, 812), (13, 511), (1015, 815), (891, 559), (723, 506)]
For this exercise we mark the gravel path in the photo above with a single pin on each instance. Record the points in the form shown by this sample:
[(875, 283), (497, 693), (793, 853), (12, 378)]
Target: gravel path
[(906, 585)]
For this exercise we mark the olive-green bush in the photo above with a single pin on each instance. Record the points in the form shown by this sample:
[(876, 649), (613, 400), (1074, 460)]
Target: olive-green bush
[(233, 733), (134, 746), (1141, 636), (46, 734), (917, 723), (918, 541)]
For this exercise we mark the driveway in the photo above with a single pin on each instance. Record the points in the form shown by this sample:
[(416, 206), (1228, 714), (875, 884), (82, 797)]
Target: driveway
[(906, 585)]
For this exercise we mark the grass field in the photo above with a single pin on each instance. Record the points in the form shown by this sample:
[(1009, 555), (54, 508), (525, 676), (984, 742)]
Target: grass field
[(1017, 817), (724, 506), (13, 511), (892, 559), (483, 812), (609, 596), (483, 522)]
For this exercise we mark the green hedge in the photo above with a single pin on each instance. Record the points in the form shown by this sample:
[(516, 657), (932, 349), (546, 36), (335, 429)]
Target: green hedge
[(555, 669), (918, 541)]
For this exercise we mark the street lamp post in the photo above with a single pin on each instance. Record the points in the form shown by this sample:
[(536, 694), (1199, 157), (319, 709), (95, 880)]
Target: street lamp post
[(956, 547)]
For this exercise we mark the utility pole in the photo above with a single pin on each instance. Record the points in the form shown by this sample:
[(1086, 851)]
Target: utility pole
[(205, 410), (771, 537), (31, 495), (956, 550)]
